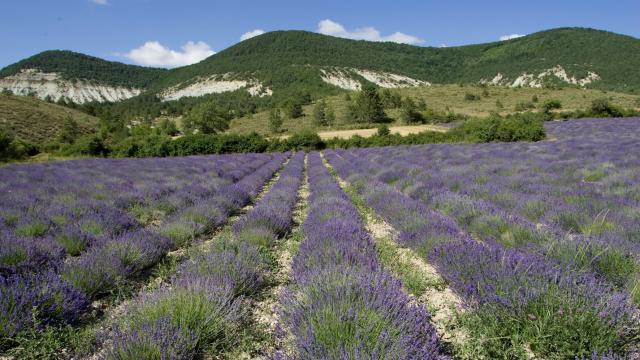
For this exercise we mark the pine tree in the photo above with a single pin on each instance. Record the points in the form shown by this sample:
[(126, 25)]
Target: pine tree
[(69, 132), (367, 107), (320, 113), (275, 120)]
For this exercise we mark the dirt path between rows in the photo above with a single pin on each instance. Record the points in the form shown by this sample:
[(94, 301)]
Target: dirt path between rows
[(441, 301)]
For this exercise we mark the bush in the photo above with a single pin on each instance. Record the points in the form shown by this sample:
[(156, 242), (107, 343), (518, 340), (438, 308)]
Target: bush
[(409, 113), (383, 130), (10, 149), (524, 106), (471, 96), (305, 140), (275, 120), (551, 104), (602, 107), (90, 145), (527, 127)]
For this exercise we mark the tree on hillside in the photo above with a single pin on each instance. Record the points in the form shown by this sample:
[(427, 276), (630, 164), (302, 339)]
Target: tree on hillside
[(330, 116), (275, 120), (367, 107), (6, 145), (320, 113), (207, 118), (293, 109), (409, 112), (69, 132), (168, 127), (390, 100)]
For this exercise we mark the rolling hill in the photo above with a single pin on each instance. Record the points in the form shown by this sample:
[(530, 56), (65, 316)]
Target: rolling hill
[(37, 121), (283, 63)]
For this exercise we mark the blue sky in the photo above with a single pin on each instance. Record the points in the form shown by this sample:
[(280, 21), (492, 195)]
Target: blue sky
[(171, 33)]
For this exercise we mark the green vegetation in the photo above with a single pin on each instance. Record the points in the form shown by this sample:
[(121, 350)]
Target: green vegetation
[(206, 118), (445, 104), (72, 66), (39, 123), (367, 107), (273, 56), (275, 120)]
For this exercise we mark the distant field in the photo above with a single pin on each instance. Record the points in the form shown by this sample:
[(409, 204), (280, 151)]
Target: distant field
[(39, 122), (442, 98)]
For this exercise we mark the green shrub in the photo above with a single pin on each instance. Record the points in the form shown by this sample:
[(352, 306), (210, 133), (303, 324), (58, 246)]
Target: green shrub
[(551, 104), (602, 107), (525, 127), (383, 130), (305, 140), (10, 148), (409, 113), (524, 106), (471, 97)]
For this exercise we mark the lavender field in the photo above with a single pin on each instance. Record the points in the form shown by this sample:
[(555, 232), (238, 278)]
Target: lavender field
[(447, 251)]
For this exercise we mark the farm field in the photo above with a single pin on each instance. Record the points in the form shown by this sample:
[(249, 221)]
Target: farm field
[(463, 251)]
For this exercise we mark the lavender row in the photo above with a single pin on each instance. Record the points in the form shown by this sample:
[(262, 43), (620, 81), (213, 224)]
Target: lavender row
[(603, 249), (272, 217), (506, 282), (60, 298), (206, 303), (47, 214), (499, 284), (343, 303)]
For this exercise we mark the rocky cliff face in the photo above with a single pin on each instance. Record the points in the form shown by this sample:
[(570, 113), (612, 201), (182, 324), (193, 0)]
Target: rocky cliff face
[(51, 85)]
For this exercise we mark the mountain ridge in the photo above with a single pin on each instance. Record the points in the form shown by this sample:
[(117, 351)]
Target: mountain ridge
[(288, 62)]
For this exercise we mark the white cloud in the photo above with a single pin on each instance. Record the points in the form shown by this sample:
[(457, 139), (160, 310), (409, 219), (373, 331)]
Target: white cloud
[(100, 2), (152, 53), (330, 27), (250, 34), (509, 37)]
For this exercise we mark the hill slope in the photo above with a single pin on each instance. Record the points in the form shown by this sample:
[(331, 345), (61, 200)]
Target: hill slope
[(76, 77), (575, 56), (284, 63), (39, 122)]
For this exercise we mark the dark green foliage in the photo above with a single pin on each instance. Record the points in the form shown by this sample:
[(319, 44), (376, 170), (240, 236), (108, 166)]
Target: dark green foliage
[(409, 112), (602, 107), (275, 120), (90, 145), (70, 131), (527, 127), (168, 127), (551, 104), (206, 118), (305, 140), (471, 96), (524, 106), (73, 66), (577, 50), (330, 116), (367, 108), (320, 113), (383, 130), (390, 100), (10, 148), (293, 109)]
